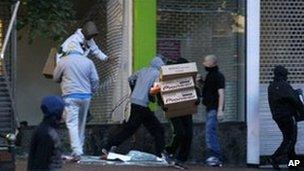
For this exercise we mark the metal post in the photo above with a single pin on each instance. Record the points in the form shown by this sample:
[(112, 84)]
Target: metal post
[(13, 60), (253, 81), (10, 27)]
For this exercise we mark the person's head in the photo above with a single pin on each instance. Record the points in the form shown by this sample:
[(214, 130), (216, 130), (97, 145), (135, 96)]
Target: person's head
[(89, 30), (158, 61), (280, 73), (177, 61), (210, 61), (52, 108)]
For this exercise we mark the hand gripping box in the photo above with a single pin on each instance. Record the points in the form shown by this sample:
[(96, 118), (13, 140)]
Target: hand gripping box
[(176, 84), (177, 71)]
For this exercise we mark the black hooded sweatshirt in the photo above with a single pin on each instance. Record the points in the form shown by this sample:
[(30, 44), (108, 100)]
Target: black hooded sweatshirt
[(45, 149), (283, 99)]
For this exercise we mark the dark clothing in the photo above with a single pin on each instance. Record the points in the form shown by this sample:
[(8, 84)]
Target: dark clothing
[(215, 80), (140, 84), (180, 145), (182, 126), (45, 152), (139, 115), (288, 127), (52, 106), (283, 99), (284, 104)]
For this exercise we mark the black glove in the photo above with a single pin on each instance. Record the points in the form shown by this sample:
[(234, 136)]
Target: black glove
[(197, 102), (165, 109)]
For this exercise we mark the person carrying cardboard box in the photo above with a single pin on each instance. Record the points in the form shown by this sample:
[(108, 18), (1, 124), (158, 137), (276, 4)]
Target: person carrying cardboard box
[(142, 81), (213, 99), (180, 145)]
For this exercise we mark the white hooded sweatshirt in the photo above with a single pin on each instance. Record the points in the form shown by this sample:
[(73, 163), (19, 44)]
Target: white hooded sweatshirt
[(76, 43)]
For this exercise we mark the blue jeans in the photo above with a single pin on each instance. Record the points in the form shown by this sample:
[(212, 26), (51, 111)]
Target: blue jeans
[(212, 143)]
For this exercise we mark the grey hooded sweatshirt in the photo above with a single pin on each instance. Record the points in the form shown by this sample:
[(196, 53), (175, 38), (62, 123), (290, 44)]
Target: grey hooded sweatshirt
[(145, 79), (77, 75)]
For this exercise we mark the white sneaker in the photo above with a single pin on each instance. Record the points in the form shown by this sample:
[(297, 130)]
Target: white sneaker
[(214, 162)]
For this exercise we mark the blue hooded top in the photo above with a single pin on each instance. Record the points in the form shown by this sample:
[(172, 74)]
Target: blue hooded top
[(145, 79), (52, 106), (45, 148)]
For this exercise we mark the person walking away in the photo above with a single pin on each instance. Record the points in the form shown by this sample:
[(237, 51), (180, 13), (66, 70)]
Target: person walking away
[(45, 148), (141, 114), (284, 104), (79, 80), (213, 98)]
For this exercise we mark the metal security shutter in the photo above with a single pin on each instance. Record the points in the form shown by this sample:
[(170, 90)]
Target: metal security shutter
[(193, 29), (282, 43), (113, 73)]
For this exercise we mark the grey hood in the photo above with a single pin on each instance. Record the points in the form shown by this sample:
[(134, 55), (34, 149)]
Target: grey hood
[(157, 62)]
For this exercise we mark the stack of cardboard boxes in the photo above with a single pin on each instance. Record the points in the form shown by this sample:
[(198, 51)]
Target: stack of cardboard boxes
[(177, 87)]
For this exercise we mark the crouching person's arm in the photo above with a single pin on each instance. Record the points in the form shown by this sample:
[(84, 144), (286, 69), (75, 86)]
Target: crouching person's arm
[(94, 79)]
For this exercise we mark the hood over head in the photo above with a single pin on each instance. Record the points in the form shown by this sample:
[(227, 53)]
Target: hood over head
[(280, 73), (89, 30), (157, 62), (52, 106)]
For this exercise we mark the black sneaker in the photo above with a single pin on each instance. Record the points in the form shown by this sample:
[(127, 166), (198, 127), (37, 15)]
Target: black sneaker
[(274, 163), (214, 162), (180, 165), (168, 158), (75, 158)]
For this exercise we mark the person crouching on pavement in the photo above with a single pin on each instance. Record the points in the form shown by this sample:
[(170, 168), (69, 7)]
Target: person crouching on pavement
[(284, 104), (45, 152), (180, 145), (79, 80), (140, 111), (213, 99)]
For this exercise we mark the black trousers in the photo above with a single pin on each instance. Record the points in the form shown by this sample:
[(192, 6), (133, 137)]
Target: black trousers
[(182, 137), (288, 127), (139, 115)]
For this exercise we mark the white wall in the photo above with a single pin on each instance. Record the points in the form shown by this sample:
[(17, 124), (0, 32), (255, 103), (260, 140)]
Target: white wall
[(253, 82)]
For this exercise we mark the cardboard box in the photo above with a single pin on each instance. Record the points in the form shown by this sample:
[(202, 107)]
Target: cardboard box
[(181, 105), (177, 84), (177, 71), (173, 98), (50, 64), (183, 110)]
